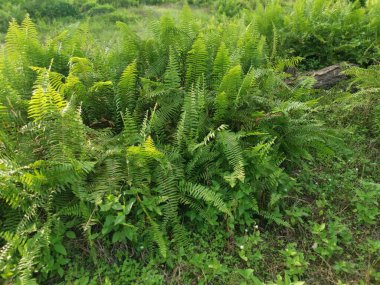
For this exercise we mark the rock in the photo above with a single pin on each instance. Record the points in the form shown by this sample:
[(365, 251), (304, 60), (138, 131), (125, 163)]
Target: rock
[(329, 76), (325, 78)]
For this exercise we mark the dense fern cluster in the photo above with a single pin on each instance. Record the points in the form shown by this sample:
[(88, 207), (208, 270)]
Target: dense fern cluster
[(139, 145), (322, 32)]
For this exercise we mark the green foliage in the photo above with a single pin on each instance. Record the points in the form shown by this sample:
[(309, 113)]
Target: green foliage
[(327, 239), (119, 3), (323, 32), (294, 261), (100, 9), (126, 97), (221, 64), (181, 154), (229, 7), (367, 203), (196, 64), (50, 9), (172, 79), (363, 106)]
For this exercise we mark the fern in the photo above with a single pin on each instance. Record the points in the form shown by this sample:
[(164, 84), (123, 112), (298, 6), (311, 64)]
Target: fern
[(126, 97), (134, 146), (226, 99), (130, 131), (45, 101), (221, 65), (171, 78), (196, 62), (230, 144), (201, 192), (253, 47)]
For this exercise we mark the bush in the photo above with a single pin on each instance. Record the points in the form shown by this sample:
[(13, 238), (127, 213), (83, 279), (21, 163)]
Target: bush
[(87, 7), (51, 9), (122, 16), (8, 11), (120, 3), (101, 9), (230, 8), (4, 21)]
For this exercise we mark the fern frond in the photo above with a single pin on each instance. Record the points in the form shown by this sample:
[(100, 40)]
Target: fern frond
[(159, 239), (172, 79), (130, 132), (221, 65), (45, 103), (126, 97), (232, 150), (196, 62), (209, 196)]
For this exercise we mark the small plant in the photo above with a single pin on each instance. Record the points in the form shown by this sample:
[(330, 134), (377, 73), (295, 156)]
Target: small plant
[(249, 246), (116, 220), (294, 261), (366, 203), (327, 240)]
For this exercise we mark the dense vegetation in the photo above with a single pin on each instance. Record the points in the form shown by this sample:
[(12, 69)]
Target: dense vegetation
[(193, 150)]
